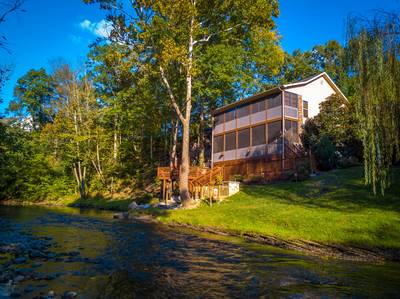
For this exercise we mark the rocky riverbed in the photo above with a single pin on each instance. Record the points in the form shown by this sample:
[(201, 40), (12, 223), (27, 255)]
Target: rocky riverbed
[(70, 253)]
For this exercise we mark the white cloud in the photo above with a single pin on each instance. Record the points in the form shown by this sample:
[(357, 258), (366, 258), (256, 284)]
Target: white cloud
[(101, 29)]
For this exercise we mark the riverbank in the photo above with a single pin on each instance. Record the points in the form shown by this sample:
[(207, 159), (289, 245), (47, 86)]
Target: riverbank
[(333, 215)]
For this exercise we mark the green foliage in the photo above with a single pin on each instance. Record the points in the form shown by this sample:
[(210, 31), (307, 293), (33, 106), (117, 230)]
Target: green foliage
[(374, 46), (254, 180), (326, 154), (26, 169), (236, 178), (332, 134), (34, 96)]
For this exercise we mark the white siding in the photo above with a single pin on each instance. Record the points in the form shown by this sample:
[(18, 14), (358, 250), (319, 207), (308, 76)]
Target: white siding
[(315, 93)]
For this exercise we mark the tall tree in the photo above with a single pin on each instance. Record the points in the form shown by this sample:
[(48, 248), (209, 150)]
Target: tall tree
[(174, 35), (33, 97), (374, 46)]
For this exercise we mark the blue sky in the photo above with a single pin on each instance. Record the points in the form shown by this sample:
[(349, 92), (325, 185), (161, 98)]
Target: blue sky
[(52, 29)]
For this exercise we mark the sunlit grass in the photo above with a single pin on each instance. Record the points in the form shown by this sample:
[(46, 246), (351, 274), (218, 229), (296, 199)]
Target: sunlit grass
[(334, 208)]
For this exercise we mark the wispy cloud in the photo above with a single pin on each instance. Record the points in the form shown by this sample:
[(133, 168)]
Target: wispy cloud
[(101, 29)]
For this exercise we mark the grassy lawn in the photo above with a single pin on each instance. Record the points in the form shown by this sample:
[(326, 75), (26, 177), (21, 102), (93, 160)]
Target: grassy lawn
[(333, 208)]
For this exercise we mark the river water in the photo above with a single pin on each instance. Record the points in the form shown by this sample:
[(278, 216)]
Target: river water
[(55, 251)]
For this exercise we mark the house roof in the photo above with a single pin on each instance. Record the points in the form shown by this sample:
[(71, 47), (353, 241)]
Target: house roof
[(300, 83), (313, 78)]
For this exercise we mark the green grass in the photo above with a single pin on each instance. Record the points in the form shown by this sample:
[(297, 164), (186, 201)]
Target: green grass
[(333, 208)]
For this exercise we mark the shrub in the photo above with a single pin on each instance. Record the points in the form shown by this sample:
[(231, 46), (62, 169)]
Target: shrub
[(255, 180), (236, 178), (303, 170)]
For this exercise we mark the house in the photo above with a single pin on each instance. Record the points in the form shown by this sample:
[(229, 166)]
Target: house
[(259, 135)]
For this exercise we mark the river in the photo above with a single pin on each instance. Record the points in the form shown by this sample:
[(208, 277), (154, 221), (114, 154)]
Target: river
[(56, 252)]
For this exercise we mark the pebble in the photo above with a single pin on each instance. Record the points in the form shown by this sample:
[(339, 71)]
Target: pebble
[(20, 260), (29, 289), (19, 278), (69, 295)]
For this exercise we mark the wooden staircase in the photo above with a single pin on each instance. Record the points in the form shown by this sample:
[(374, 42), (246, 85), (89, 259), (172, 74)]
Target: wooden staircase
[(198, 176)]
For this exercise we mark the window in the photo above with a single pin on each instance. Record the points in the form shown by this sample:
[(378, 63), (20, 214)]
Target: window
[(218, 144), (243, 111), (258, 107), (219, 119), (291, 126), (230, 141), (274, 131), (305, 109), (230, 115), (291, 99), (244, 138), (291, 133), (258, 135), (274, 101)]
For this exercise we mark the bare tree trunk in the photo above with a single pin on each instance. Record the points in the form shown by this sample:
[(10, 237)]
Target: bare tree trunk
[(174, 158), (201, 137), (185, 164)]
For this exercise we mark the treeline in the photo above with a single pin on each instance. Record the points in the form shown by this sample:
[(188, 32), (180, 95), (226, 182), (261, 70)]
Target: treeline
[(144, 98)]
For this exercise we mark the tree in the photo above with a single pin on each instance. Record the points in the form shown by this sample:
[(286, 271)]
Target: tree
[(34, 97), (172, 36), (374, 46), (332, 134)]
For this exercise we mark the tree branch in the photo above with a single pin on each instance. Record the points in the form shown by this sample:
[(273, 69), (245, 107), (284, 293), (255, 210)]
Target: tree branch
[(206, 39), (171, 95), (14, 7)]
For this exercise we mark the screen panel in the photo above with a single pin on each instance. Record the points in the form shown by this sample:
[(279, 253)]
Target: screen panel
[(244, 138), (274, 101), (230, 115), (274, 131), (218, 144), (291, 99), (230, 141), (219, 119), (258, 135), (243, 111), (258, 107)]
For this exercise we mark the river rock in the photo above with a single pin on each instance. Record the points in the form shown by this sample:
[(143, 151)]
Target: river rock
[(20, 260), (124, 216), (19, 278), (36, 265), (69, 295), (133, 205), (145, 206), (29, 289)]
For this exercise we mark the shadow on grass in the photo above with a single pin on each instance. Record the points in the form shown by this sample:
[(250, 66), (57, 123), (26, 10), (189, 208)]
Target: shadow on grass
[(341, 190)]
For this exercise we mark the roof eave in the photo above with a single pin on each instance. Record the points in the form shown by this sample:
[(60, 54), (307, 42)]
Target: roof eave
[(247, 100)]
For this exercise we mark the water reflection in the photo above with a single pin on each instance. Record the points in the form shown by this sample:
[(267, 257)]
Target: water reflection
[(98, 257)]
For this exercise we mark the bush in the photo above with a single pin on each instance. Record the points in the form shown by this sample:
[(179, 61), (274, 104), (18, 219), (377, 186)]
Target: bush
[(303, 170), (255, 180), (326, 154), (236, 178)]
